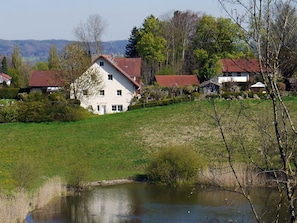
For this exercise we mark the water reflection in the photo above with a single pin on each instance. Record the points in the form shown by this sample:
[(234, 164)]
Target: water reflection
[(142, 203)]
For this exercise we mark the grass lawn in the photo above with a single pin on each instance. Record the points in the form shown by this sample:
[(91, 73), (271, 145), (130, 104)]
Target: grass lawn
[(120, 145)]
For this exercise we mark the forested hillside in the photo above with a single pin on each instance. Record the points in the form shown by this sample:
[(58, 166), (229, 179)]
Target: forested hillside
[(38, 50)]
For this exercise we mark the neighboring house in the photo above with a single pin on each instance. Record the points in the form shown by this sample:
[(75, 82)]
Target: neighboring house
[(45, 81), (238, 70), (210, 87), (177, 80), (4, 78), (117, 90)]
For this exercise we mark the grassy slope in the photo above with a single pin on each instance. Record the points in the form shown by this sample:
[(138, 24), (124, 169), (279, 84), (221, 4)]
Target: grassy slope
[(114, 146)]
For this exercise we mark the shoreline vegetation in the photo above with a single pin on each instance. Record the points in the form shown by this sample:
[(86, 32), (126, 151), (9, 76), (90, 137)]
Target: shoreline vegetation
[(102, 149), (16, 207)]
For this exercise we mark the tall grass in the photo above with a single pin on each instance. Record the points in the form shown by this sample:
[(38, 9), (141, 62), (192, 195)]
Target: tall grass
[(15, 207), (222, 176)]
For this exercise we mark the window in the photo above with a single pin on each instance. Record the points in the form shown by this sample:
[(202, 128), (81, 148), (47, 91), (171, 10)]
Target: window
[(101, 63), (85, 92), (98, 107), (110, 77), (117, 108), (119, 92), (101, 92)]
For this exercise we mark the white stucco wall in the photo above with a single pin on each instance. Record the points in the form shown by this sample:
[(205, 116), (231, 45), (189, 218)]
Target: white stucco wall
[(102, 104), (234, 77)]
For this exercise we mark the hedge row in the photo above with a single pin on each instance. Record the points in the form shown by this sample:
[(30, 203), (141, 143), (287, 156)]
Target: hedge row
[(163, 102), (9, 93)]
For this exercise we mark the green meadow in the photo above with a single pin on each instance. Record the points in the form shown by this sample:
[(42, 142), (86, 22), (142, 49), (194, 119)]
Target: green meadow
[(121, 145)]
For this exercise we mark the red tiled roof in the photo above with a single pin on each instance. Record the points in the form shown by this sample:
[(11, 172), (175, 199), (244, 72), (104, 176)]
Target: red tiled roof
[(5, 76), (131, 66), (45, 79), (177, 80), (240, 65)]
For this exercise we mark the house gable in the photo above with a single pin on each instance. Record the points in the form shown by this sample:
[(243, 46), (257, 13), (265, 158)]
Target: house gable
[(117, 91)]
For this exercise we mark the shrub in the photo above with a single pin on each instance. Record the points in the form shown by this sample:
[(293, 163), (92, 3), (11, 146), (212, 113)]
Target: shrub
[(174, 166), (77, 175), (8, 113)]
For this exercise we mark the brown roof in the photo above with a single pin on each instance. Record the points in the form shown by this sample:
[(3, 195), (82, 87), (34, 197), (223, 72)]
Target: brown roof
[(177, 80), (240, 65), (5, 76), (131, 66), (40, 78)]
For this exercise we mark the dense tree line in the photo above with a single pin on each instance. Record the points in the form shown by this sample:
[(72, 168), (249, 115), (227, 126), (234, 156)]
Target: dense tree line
[(191, 43), (185, 43)]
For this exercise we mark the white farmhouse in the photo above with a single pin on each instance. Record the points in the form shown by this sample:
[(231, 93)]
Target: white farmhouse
[(116, 91)]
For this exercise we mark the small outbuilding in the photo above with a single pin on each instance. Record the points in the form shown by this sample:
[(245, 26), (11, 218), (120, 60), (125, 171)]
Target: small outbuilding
[(258, 87), (210, 87)]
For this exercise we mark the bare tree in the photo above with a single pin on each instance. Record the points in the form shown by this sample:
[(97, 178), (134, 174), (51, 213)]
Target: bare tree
[(78, 73), (90, 33), (179, 30), (269, 26)]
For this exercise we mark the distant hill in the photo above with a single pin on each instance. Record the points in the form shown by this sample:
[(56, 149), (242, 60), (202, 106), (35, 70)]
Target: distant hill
[(38, 50)]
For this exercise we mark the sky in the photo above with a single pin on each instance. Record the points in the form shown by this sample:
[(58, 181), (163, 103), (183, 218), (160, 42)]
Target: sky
[(56, 19)]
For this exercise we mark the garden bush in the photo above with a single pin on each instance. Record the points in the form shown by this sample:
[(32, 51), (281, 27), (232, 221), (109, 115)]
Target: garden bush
[(175, 165), (8, 113)]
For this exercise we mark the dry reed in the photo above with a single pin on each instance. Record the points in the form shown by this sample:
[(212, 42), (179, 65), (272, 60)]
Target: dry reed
[(14, 208), (223, 176)]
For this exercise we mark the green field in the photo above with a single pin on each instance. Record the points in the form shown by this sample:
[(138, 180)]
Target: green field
[(120, 145)]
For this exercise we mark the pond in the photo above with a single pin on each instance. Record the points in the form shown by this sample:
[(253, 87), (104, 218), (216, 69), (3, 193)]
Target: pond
[(144, 203)]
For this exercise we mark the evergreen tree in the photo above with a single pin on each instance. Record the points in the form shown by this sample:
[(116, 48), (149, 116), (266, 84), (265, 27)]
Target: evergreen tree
[(131, 51), (4, 65)]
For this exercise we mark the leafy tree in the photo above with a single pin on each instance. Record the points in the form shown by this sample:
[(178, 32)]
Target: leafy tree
[(16, 58), (53, 59), (217, 38), (15, 75), (41, 66), (90, 33), (131, 51), (4, 65), (151, 46)]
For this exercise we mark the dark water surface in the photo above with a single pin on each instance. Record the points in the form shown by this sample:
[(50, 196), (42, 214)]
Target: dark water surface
[(143, 203)]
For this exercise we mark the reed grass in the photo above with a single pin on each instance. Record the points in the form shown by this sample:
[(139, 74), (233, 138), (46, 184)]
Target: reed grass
[(15, 207), (221, 175)]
